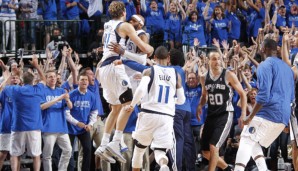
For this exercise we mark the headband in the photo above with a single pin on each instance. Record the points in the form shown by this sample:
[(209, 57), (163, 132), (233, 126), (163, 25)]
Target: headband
[(138, 19)]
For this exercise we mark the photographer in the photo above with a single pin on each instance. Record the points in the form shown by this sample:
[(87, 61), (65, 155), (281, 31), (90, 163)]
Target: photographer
[(57, 43)]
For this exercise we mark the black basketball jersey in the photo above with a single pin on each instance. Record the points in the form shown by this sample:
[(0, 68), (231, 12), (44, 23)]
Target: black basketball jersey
[(219, 94)]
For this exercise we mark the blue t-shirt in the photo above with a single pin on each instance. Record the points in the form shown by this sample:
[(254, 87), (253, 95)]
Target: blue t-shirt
[(219, 29), (26, 115), (72, 12), (275, 90), (201, 6), (155, 22), (61, 10), (6, 113), (235, 26), (48, 9), (193, 95), (95, 90), (186, 105), (194, 30), (83, 105), (173, 27), (53, 118), (85, 4), (130, 10), (255, 21), (292, 19)]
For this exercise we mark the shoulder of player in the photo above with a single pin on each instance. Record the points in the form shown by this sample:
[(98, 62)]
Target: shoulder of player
[(147, 72)]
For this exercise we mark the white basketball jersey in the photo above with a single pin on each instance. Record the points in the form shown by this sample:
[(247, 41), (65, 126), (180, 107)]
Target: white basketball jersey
[(110, 35), (161, 91), (131, 46)]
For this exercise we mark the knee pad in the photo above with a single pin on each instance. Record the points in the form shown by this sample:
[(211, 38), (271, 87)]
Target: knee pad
[(138, 144), (159, 154), (138, 153), (126, 96)]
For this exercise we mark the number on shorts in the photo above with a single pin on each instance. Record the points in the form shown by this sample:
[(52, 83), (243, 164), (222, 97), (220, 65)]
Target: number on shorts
[(166, 95)]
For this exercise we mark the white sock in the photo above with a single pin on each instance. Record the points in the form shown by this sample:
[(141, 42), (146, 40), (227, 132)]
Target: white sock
[(238, 168), (261, 164), (123, 142), (105, 139), (118, 135)]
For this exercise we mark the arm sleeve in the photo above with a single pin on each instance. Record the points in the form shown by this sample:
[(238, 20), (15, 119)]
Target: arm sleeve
[(93, 117), (180, 96), (134, 65), (141, 90), (140, 58), (70, 119)]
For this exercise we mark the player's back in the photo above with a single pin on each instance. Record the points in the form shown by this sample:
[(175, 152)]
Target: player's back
[(161, 91), (110, 35)]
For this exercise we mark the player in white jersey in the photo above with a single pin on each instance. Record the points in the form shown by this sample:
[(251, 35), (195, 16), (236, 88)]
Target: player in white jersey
[(157, 89), (132, 51), (115, 82)]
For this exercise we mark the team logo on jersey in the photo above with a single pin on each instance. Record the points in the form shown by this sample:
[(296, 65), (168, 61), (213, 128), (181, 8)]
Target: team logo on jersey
[(124, 83), (251, 130)]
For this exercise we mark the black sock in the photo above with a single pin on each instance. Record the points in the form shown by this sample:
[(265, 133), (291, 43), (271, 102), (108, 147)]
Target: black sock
[(228, 168)]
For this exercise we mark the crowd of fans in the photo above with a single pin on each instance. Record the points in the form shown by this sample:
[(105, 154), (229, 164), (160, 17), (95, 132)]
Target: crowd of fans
[(236, 28)]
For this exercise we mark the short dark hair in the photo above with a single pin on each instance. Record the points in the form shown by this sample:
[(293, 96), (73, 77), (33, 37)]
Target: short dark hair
[(28, 78), (270, 44), (161, 52), (83, 72), (191, 13), (177, 57)]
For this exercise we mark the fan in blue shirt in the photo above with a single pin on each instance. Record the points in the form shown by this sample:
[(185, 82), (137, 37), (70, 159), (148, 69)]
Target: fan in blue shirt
[(54, 122), (82, 117), (219, 26), (26, 117), (5, 119)]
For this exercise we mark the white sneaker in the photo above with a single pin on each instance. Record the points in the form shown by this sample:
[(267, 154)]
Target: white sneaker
[(164, 168), (114, 149), (102, 153)]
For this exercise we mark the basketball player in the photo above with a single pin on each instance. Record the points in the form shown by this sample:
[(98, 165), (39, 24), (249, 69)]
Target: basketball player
[(115, 82), (217, 87), (155, 123), (272, 110)]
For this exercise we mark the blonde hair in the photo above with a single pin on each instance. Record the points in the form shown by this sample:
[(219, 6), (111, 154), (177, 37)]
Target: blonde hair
[(116, 9)]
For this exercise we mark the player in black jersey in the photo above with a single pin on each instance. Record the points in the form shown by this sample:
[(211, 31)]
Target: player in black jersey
[(217, 87)]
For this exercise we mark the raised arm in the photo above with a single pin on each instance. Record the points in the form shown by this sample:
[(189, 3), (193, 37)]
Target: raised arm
[(34, 63), (56, 100)]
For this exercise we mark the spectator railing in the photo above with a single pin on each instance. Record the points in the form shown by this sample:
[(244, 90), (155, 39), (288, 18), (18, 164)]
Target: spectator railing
[(30, 32)]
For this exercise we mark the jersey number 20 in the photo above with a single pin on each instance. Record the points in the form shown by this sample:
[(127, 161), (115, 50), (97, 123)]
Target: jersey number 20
[(215, 99)]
